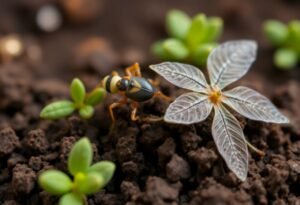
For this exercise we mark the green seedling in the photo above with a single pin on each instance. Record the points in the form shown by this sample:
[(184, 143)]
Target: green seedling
[(81, 101), (87, 179), (286, 38), (191, 40)]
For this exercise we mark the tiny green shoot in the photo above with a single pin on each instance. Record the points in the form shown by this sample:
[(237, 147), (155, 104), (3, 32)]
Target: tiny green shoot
[(81, 101), (286, 38), (191, 40), (87, 178)]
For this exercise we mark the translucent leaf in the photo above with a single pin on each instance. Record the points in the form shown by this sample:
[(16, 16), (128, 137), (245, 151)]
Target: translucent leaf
[(188, 108), (230, 141), (71, 199), (253, 105), (230, 61), (182, 75)]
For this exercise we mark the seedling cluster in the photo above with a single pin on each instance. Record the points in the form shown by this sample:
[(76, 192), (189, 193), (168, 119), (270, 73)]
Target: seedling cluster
[(81, 101), (191, 40), (226, 64), (286, 38), (87, 178)]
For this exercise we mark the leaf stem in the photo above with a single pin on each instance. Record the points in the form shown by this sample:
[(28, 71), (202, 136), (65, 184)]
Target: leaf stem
[(259, 152)]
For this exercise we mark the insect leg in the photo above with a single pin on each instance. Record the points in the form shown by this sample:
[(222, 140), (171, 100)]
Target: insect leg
[(134, 106), (114, 105), (134, 70), (163, 96)]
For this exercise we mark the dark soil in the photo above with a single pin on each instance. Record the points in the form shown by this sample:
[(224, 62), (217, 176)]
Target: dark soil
[(157, 163)]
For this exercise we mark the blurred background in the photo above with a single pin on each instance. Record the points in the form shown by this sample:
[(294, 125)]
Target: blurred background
[(63, 37)]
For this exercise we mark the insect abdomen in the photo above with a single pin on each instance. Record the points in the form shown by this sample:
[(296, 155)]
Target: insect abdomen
[(140, 89)]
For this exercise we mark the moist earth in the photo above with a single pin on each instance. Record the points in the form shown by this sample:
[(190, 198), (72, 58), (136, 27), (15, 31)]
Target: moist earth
[(157, 163)]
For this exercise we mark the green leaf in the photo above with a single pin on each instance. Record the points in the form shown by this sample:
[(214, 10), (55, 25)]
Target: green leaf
[(177, 23), (276, 32), (285, 58), (80, 157), (158, 50), (55, 182), (105, 168), (196, 31), (202, 52), (57, 110), (91, 183), (86, 111), (77, 91), (213, 29), (95, 97), (71, 199), (175, 49), (294, 35)]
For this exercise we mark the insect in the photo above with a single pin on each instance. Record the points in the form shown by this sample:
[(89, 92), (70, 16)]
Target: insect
[(131, 86), (226, 64)]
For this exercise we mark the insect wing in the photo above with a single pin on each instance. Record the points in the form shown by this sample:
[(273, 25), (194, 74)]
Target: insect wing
[(253, 105), (230, 61), (188, 108), (230, 141), (182, 75)]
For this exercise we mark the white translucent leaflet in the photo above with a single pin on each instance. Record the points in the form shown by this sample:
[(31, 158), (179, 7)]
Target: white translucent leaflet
[(226, 64)]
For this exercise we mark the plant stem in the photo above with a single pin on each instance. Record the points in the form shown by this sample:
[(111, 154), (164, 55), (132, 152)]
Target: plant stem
[(259, 152)]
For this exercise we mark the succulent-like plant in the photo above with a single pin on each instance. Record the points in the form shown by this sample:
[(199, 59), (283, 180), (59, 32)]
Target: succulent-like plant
[(191, 40), (88, 179), (81, 101), (226, 64), (286, 38)]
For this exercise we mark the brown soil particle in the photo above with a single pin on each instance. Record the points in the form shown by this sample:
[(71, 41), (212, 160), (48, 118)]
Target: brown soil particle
[(165, 151), (10, 202), (23, 179), (126, 146), (177, 169), (130, 190), (36, 141), (203, 158), (160, 192), (9, 141)]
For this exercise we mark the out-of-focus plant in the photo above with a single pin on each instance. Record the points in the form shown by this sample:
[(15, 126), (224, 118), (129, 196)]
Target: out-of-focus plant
[(81, 101), (286, 38), (88, 179), (191, 40)]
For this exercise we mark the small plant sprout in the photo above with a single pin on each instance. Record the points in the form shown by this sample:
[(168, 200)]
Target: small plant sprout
[(287, 40), (191, 40), (226, 64), (88, 179), (82, 101)]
